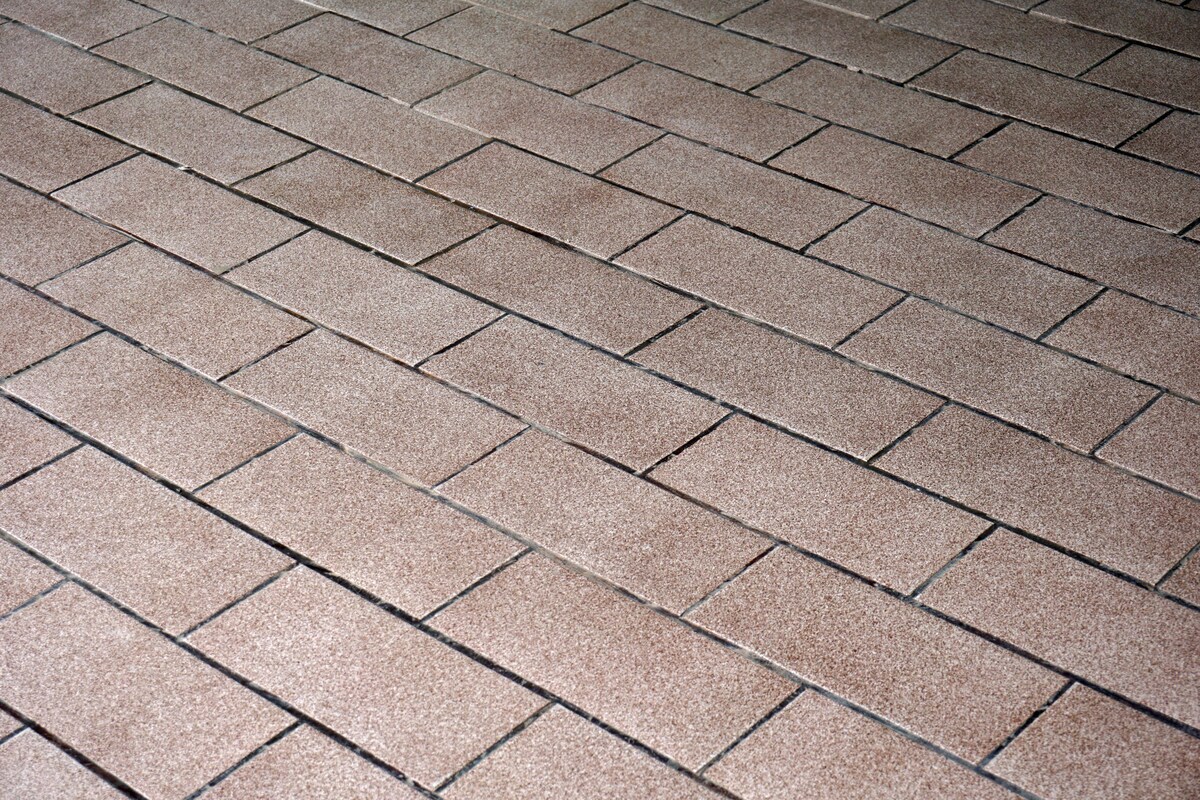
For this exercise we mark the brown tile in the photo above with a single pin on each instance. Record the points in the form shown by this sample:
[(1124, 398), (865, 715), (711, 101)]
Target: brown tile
[(1185, 581), (158, 415), (686, 45), (1099, 627), (790, 383), (127, 698), (697, 109), (519, 48), (26, 441), (46, 152), (243, 21), (82, 22), (193, 219), (1006, 32), (394, 691), (1141, 20), (367, 128), (209, 139), (155, 552), (859, 101), (1042, 98), (388, 412), (376, 210), (39, 238), (982, 281), (1090, 174), (1021, 381), (384, 537), (539, 194), (646, 675), (1174, 141), (204, 63), (757, 279), (398, 312), (798, 492), (818, 748), (56, 75), (21, 577), (559, 128), (643, 539), (32, 328), (179, 311), (1112, 251), (31, 767), (1063, 497), (399, 18), (713, 11), (1162, 444), (942, 683), (748, 196), (560, 755), (833, 35), (570, 291), (1153, 74), (309, 764), (925, 187), (554, 13), (1132, 336)]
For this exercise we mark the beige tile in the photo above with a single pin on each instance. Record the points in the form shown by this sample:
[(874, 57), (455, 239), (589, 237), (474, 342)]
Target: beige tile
[(398, 18), (39, 238), (82, 22), (1140, 20), (56, 75), (243, 21), (46, 152), (26, 441), (554, 13), (21, 577), (8, 724), (31, 767), (1162, 444), (1152, 74), (32, 328), (1173, 141)]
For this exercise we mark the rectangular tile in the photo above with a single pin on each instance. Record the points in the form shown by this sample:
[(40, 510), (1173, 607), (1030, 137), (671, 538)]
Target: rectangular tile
[(372, 530), (82, 22), (800, 493), (752, 277), (388, 412), (520, 48), (1153, 74), (691, 47), (714, 11), (747, 196), (936, 680), (158, 415), (376, 210), (204, 63), (354, 292), (539, 194), (1173, 141), (1089, 174), (588, 397), (397, 18), (1008, 290), (396, 692), (1163, 444), (366, 127), (646, 675), (31, 766), (26, 441), (568, 290), (179, 311), (807, 390), (554, 13), (32, 328), (536, 119), (1141, 20), (1066, 498), (21, 577), (155, 552), (40, 239), (1094, 625), (923, 186), (896, 113), (45, 152), (56, 75), (643, 539), (1184, 583), (243, 21), (127, 698), (193, 219), (209, 139)]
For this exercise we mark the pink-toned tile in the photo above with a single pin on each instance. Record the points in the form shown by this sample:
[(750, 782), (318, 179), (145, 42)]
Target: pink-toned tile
[(56, 75), (1140, 20), (243, 21), (32, 767), (82, 22), (8, 724), (21, 577), (39, 238), (1185, 581), (1152, 74), (26, 441), (46, 152), (32, 328), (1173, 141), (1162, 444)]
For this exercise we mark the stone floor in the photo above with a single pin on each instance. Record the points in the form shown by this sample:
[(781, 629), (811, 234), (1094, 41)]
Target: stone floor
[(568, 400)]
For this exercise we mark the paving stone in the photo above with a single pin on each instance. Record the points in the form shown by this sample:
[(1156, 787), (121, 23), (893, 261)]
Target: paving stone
[(713, 11), (8, 724), (1173, 141), (588, 397), (360, 524), (56, 75), (554, 13), (860, 101), (32, 328), (747, 196), (398, 18), (82, 22), (155, 552), (126, 698), (26, 441), (388, 412), (795, 385), (398, 312), (398, 693), (191, 218), (648, 676), (171, 422), (1185, 581), (30, 766), (45, 152), (1163, 444), (23, 577), (1097, 626), (936, 680), (1140, 20), (1066, 498), (529, 191), (1153, 74), (243, 21)]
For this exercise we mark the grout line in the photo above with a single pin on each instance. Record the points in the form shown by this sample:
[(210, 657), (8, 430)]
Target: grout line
[(1132, 419), (503, 566), (868, 323), (916, 593), (729, 580), (687, 444), (744, 735), (890, 446), (34, 470), (287, 731), (496, 745), (1079, 309), (1032, 718), (236, 602)]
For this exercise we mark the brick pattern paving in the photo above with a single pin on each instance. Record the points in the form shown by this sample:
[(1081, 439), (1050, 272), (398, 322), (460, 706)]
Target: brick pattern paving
[(749, 399)]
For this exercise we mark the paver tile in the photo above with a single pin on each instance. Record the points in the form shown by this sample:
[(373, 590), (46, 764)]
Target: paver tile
[(56, 75), (82, 22), (26, 441), (1163, 444), (398, 18), (554, 13), (30, 766), (1153, 74), (1185, 581), (243, 21), (45, 152), (1173, 141), (21, 577), (8, 724), (1140, 20), (32, 328), (713, 11)]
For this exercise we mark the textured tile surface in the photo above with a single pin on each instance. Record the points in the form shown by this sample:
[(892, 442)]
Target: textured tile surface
[(56, 75), (1163, 444), (32, 328), (23, 578), (26, 441), (45, 152), (30, 766)]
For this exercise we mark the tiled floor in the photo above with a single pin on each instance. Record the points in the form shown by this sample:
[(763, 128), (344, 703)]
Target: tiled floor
[(599, 400)]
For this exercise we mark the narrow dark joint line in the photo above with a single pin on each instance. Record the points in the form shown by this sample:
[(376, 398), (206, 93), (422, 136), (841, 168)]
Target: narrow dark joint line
[(287, 730), (746, 734), (494, 746), (916, 593), (1032, 718)]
